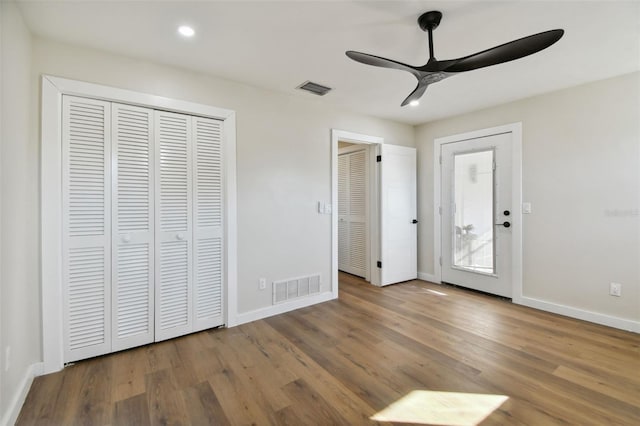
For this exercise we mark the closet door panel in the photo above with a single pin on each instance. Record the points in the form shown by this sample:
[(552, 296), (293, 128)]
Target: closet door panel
[(343, 212), (173, 242), (86, 233), (352, 212), (208, 223), (132, 222), (357, 212)]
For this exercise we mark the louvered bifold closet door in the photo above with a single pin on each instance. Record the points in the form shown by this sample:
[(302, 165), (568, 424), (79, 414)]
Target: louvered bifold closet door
[(86, 231), (173, 272), (358, 213), (208, 224), (132, 223), (343, 212)]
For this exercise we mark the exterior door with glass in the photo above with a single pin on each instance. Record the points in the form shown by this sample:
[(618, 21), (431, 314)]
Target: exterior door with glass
[(477, 213)]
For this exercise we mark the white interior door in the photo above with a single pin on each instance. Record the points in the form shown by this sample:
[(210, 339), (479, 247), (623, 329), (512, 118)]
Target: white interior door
[(173, 230), (477, 213), (86, 227), (352, 212), (398, 214), (132, 227), (208, 220)]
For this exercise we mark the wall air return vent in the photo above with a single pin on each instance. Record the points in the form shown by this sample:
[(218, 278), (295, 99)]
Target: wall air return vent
[(315, 88), (294, 288)]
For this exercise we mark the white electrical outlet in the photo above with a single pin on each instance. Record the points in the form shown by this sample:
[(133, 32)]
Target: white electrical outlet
[(263, 283), (615, 289), (7, 358)]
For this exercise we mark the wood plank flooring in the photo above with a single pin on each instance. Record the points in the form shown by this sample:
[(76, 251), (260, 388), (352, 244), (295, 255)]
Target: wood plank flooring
[(343, 361)]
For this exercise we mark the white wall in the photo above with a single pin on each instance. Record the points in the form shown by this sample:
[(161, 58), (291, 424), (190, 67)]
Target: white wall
[(19, 266), (283, 157), (581, 172)]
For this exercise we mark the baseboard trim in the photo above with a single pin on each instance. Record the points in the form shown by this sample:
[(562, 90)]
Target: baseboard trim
[(595, 317), (281, 308), (428, 277), (10, 417)]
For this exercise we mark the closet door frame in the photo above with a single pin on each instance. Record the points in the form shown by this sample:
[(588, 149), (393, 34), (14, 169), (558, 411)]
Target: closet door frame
[(53, 88)]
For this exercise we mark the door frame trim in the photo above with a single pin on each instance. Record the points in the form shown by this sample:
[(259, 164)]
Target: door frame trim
[(374, 142), (516, 196), (53, 88)]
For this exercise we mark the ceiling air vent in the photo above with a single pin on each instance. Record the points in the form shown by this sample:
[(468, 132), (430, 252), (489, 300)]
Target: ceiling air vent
[(315, 88)]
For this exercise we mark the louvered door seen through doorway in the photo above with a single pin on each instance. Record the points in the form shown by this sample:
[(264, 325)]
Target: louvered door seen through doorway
[(143, 241), (352, 212)]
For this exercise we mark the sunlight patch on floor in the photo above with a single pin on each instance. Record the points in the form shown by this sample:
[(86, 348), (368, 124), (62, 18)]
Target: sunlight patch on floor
[(441, 408), (439, 293)]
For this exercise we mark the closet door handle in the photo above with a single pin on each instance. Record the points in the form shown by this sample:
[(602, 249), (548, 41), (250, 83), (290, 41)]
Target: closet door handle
[(180, 236), (126, 238)]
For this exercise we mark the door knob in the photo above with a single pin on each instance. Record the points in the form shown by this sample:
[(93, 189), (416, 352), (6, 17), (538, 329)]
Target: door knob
[(126, 238), (506, 212), (414, 221), (505, 224), (180, 236)]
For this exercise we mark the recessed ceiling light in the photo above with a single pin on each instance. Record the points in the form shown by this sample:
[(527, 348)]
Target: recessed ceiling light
[(414, 103), (186, 31)]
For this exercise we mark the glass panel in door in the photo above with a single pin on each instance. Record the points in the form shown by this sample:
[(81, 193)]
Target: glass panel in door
[(473, 245)]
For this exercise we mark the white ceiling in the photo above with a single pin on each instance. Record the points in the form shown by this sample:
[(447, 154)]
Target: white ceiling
[(279, 44)]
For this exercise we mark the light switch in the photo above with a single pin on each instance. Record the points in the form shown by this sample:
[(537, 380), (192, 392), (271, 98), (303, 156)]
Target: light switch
[(526, 208), (320, 207)]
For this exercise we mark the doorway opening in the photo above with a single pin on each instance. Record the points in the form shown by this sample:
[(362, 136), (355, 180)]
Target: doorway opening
[(355, 227), (390, 208)]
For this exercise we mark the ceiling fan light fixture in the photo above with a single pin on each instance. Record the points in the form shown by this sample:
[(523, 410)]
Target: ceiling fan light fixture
[(186, 31), (434, 70)]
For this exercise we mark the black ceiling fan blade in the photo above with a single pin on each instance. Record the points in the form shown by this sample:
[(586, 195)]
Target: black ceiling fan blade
[(505, 52), (378, 61), (416, 94)]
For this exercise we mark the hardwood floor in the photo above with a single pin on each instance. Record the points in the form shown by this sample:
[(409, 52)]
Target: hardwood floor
[(343, 361)]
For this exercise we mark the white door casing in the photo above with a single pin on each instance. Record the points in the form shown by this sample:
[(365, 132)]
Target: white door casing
[(372, 143), (90, 179), (476, 191), (515, 129), (398, 214)]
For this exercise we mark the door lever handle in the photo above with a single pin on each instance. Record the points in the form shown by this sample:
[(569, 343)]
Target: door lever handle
[(506, 224), (414, 221)]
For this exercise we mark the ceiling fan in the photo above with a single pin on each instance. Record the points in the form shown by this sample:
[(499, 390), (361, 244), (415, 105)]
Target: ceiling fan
[(435, 70)]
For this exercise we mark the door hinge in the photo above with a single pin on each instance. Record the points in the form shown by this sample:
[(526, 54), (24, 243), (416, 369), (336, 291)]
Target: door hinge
[(378, 158), (494, 165), (440, 260), (440, 159), (440, 210), (379, 264)]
